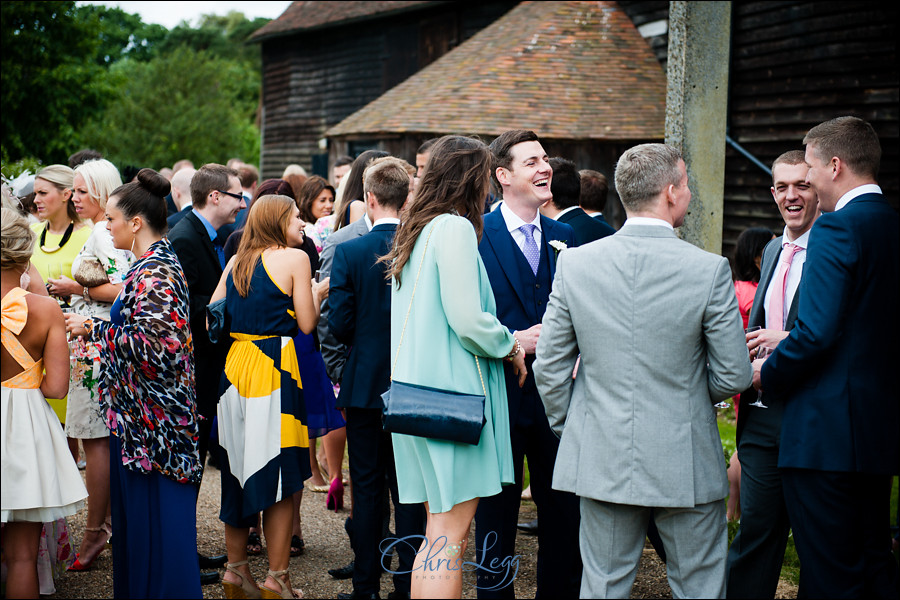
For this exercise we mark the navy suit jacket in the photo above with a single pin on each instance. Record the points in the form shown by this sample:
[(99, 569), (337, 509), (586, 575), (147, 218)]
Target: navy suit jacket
[(602, 220), (836, 371), (359, 316), (586, 228), (498, 252), (173, 219), (202, 271)]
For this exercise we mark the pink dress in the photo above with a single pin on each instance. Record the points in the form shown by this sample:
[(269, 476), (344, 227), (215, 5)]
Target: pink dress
[(745, 291)]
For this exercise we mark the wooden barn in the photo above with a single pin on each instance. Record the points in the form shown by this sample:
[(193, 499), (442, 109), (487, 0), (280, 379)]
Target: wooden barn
[(328, 67)]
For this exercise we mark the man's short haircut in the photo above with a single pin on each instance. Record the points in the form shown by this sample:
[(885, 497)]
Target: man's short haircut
[(566, 183), (425, 146), (644, 172), (82, 156), (852, 140), (791, 157), (388, 179), (208, 178), (594, 190), (248, 174), (342, 160)]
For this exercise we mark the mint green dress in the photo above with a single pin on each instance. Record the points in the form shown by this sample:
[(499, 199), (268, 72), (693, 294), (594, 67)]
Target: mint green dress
[(453, 316)]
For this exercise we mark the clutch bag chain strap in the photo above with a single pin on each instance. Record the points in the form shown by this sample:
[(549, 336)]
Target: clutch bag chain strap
[(406, 320)]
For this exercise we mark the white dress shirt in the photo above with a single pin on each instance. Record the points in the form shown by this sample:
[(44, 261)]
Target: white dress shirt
[(513, 222)]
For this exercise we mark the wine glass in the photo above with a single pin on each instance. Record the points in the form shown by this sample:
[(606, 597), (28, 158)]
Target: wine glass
[(763, 352)]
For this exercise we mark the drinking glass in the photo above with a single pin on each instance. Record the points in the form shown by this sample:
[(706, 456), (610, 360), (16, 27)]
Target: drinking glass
[(761, 353)]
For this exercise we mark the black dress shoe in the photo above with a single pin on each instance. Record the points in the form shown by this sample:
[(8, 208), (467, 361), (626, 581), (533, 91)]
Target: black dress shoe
[(209, 577), (212, 562), (343, 572), (372, 596), (531, 527), (397, 595)]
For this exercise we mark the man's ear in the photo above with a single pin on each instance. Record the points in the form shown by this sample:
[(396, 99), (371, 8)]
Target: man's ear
[(502, 174), (837, 167)]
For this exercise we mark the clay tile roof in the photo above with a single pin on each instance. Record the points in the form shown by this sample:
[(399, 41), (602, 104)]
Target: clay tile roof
[(304, 16), (567, 70)]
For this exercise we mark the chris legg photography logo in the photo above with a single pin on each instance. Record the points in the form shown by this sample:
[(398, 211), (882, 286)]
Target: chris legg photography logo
[(441, 555)]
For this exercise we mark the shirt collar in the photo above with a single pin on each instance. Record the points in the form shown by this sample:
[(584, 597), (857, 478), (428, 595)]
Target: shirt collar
[(384, 221), (565, 210), (648, 221), (868, 188), (210, 230), (802, 241), (513, 221)]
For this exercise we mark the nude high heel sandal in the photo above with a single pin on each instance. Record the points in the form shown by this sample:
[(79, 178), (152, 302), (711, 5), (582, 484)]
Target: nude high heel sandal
[(248, 587), (286, 591)]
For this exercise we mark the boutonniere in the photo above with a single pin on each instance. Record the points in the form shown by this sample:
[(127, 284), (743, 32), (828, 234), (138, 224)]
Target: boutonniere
[(558, 245)]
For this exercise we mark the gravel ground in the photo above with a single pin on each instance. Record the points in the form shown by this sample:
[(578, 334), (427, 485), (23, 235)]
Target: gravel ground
[(327, 547)]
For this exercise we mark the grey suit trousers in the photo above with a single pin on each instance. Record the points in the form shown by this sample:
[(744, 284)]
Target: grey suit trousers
[(612, 538)]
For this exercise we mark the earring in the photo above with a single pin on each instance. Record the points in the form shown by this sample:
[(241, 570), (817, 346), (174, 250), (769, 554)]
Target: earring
[(25, 278), (133, 240)]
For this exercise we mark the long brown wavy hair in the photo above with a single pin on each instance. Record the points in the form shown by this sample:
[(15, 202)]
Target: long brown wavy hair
[(267, 224), (456, 178)]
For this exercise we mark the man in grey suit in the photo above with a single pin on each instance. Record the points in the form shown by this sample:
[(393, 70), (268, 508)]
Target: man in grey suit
[(659, 332), (757, 552)]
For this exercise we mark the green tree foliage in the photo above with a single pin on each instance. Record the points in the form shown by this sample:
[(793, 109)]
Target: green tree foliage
[(48, 78), (183, 104), (93, 76)]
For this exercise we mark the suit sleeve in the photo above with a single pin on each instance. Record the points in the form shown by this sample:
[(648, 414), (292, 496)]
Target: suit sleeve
[(334, 353), (729, 370), (556, 354), (456, 254), (825, 291), (341, 300)]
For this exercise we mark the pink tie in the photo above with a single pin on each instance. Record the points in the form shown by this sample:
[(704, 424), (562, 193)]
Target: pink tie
[(775, 316)]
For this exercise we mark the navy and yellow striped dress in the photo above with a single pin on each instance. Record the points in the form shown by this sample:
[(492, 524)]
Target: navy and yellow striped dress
[(262, 416)]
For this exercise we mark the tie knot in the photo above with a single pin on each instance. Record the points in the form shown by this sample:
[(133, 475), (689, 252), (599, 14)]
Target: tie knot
[(528, 229), (789, 251)]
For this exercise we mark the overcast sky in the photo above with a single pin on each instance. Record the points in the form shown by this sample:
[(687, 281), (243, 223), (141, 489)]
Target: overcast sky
[(170, 14)]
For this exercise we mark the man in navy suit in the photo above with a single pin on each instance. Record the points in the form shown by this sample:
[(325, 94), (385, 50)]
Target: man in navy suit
[(594, 193), (757, 552), (520, 262), (566, 189), (835, 373), (359, 316)]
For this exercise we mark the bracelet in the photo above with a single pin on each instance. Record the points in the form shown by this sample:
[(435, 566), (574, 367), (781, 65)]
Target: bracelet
[(515, 350), (86, 294)]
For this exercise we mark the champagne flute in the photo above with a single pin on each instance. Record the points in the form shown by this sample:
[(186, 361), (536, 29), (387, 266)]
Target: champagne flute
[(763, 352)]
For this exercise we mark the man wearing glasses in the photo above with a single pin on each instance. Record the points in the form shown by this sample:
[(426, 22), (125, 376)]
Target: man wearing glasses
[(216, 197)]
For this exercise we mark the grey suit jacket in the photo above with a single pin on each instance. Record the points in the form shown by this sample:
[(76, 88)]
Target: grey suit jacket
[(658, 327), (333, 352)]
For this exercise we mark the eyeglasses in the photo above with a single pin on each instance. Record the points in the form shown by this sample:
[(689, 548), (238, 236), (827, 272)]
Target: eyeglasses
[(235, 196)]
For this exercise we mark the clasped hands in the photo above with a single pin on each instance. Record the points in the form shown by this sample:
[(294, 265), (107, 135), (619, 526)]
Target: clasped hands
[(768, 338)]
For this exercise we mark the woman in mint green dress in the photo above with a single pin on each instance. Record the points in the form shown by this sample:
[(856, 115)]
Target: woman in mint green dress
[(452, 319)]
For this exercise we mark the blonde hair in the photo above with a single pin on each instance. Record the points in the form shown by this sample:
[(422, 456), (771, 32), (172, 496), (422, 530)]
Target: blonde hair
[(267, 225), (62, 178), (17, 239), (101, 177)]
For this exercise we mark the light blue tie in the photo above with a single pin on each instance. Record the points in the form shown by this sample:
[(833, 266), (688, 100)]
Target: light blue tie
[(531, 251)]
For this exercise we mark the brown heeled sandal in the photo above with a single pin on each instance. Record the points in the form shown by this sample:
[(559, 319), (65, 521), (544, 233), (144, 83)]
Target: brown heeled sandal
[(248, 587), (286, 591)]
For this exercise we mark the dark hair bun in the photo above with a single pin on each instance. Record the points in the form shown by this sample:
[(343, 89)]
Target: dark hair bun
[(154, 183)]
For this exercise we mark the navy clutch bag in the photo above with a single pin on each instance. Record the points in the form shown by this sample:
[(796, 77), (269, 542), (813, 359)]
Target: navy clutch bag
[(432, 413), (218, 324)]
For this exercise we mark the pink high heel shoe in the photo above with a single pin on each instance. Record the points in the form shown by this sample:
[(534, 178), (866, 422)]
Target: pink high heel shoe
[(335, 499)]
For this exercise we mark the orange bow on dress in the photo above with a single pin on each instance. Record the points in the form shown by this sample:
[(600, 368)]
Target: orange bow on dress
[(13, 317)]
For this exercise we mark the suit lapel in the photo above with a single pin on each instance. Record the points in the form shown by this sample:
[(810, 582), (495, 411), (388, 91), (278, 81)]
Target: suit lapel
[(198, 226), (504, 247), (548, 234)]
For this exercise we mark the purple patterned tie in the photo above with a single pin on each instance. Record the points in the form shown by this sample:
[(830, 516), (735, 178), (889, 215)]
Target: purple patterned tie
[(531, 250)]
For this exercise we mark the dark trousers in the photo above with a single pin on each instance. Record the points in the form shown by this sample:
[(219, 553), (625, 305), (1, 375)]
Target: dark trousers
[(155, 541), (559, 557), (757, 552), (371, 458), (841, 524)]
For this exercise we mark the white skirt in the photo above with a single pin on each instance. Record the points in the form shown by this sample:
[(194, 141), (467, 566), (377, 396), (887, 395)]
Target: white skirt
[(39, 481)]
